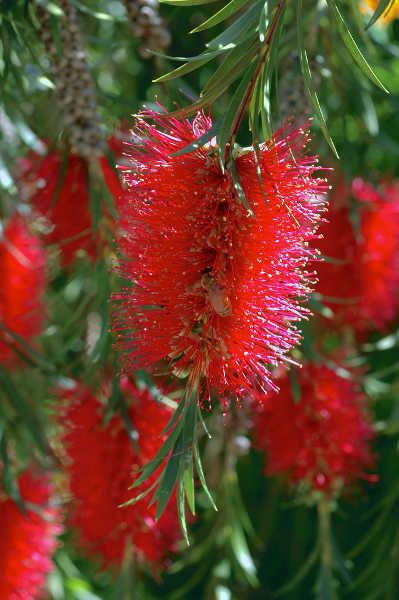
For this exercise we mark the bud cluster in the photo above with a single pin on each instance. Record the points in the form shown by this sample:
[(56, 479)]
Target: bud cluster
[(148, 25), (73, 85)]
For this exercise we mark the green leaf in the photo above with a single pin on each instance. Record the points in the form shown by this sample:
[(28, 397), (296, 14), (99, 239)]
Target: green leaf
[(182, 70), (124, 410), (106, 195), (382, 7), (201, 475), (95, 201), (188, 478), (187, 2), (232, 66), (234, 34), (139, 497), (60, 179), (191, 64), (235, 105), (181, 509), (197, 57), (24, 411), (263, 22), (190, 419), (9, 480), (27, 353), (205, 138), (204, 426), (237, 185), (221, 15), (169, 477), (352, 47), (160, 456), (241, 552), (174, 418), (307, 74)]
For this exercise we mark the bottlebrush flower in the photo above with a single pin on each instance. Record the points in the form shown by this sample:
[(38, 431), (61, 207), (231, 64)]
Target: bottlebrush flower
[(23, 280), (102, 466), (217, 291), (391, 12), (28, 539), (323, 438), (360, 279), (58, 188)]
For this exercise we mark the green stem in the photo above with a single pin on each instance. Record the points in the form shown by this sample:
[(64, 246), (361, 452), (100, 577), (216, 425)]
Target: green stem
[(324, 512)]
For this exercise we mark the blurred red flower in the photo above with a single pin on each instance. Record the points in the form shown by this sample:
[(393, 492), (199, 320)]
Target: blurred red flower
[(103, 462), (360, 279), (27, 539), (320, 439), (218, 290), (58, 189), (23, 281)]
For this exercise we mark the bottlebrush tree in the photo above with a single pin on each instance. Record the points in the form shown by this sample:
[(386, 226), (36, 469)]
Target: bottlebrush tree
[(199, 250)]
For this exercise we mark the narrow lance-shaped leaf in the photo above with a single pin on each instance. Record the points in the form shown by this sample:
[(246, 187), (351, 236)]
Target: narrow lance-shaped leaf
[(201, 475), (205, 138), (169, 478), (221, 15), (133, 435), (9, 480), (242, 554), (187, 2), (189, 484), (174, 418), (196, 58), (233, 65), (191, 64), (139, 497), (181, 508), (160, 456), (352, 47), (307, 74), (383, 6), (237, 184), (235, 106), (233, 34), (24, 411), (190, 419), (204, 426)]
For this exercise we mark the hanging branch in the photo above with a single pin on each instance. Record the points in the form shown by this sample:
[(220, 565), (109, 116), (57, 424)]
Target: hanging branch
[(239, 115), (246, 48)]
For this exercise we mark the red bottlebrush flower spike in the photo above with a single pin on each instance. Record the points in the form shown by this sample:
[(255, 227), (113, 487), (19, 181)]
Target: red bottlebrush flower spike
[(58, 189), (100, 470), (323, 438), (23, 281), (217, 291), (360, 279), (27, 539)]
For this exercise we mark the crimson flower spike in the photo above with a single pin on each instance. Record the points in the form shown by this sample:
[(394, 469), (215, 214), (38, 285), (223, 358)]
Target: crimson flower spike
[(218, 290)]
